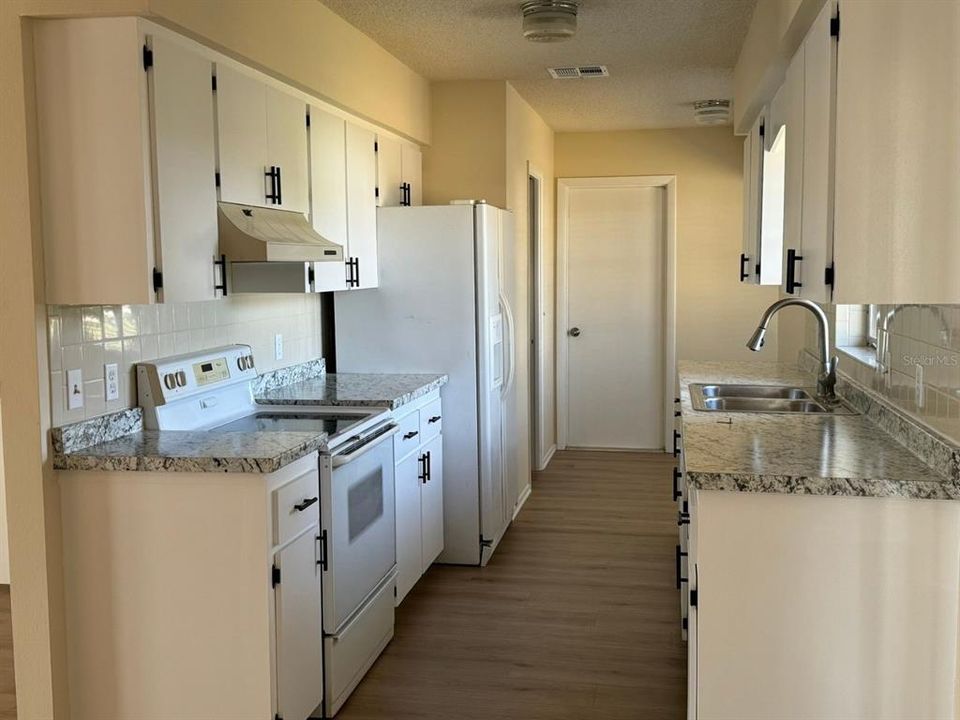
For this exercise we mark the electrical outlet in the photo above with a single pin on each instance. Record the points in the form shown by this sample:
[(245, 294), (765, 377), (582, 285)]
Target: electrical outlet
[(74, 389), (278, 347), (111, 381), (920, 394)]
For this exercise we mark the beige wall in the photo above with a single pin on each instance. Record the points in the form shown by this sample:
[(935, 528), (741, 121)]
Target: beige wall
[(715, 312), (484, 137), (776, 31), (299, 41), (467, 158), (530, 147)]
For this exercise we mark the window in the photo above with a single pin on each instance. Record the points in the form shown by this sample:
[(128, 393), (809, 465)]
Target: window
[(873, 320)]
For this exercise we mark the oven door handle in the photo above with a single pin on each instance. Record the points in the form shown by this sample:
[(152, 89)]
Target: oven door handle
[(370, 444)]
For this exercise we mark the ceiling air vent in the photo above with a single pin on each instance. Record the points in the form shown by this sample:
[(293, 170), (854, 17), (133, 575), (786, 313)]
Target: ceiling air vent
[(578, 71)]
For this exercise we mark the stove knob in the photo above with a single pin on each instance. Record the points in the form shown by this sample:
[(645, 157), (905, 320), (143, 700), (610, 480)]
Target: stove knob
[(181, 378), (249, 360), (170, 381), (242, 362)]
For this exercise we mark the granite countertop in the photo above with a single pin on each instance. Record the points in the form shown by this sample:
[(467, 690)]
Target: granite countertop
[(119, 441), (799, 454), (354, 390), (176, 451)]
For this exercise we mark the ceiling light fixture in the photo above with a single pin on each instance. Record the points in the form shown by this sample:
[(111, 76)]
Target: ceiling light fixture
[(549, 20), (711, 112)]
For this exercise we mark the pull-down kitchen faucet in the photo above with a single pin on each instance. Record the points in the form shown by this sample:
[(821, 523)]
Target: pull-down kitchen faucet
[(827, 377)]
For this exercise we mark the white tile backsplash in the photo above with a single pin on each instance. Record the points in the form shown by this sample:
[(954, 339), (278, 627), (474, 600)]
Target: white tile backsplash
[(928, 335), (89, 337)]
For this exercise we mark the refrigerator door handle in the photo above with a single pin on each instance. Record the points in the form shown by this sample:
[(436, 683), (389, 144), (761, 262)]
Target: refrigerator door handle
[(508, 345)]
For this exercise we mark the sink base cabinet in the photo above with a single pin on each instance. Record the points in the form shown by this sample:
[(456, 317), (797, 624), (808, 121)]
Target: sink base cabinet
[(173, 606), (815, 607), (418, 452)]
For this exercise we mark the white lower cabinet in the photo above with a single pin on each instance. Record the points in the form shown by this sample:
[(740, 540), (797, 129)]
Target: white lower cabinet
[(219, 611), (822, 607), (418, 449), (299, 654)]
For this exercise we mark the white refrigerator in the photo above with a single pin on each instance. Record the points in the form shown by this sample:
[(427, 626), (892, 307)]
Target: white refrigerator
[(440, 309)]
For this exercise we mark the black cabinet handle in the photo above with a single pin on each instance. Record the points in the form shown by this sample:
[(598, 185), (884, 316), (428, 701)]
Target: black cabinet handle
[(744, 273), (429, 466), (423, 476), (307, 502), (410, 435), (322, 562), (356, 275), (792, 259), (279, 188), (680, 578), (435, 418), (222, 285), (677, 494), (274, 195), (676, 443)]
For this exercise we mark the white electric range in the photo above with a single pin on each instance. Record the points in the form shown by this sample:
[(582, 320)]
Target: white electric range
[(212, 391)]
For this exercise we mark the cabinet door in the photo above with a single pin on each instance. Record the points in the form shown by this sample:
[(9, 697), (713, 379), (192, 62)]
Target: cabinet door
[(362, 204), (431, 504), (184, 167), (389, 172), (328, 195), (299, 631), (287, 148), (407, 478), (412, 164), (898, 142), (819, 96), (753, 189), (242, 138), (775, 139), (793, 181)]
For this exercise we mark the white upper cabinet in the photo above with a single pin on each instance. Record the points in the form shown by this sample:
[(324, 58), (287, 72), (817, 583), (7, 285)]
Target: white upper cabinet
[(412, 166), (262, 143), (750, 269), (398, 173), (362, 262), (127, 163), (897, 223), (775, 139), (328, 193), (819, 58)]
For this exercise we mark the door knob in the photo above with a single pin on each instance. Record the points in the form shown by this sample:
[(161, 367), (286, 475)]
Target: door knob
[(575, 332)]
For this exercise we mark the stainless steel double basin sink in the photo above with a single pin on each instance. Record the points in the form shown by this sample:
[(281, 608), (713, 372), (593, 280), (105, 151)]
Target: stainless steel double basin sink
[(761, 399)]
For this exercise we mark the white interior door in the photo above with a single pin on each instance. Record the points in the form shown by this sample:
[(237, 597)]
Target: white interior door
[(615, 333)]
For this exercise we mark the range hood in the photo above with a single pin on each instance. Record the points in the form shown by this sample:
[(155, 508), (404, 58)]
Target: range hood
[(255, 234)]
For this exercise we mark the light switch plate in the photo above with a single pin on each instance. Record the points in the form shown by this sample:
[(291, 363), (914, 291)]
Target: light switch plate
[(74, 389), (278, 347), (111, 381)]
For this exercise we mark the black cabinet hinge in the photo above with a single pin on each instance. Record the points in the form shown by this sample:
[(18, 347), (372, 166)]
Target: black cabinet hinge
[(763, 129), (835, 26), (484, 543), (147, 58), (311, 275), (376, 146), (213, 82), (376, 192), (216, 178), (275, 576), (693, 598), (278, 716), (308, 119), (157, 280), (828, 275)]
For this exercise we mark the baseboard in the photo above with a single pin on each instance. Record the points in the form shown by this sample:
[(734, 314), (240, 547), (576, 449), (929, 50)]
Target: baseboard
[(522, 500), (547, 457)]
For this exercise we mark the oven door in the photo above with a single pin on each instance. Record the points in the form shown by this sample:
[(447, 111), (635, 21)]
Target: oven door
[(358, 534)]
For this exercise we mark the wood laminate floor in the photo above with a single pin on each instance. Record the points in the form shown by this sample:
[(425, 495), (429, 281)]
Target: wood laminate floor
[(8, 691), (576, 616)]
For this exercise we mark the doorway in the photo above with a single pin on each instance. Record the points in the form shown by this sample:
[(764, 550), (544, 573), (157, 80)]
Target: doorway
[(534, 316), (615, 335)]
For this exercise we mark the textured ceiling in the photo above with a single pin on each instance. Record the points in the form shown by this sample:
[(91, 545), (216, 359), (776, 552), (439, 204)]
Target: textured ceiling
[(662, 54)]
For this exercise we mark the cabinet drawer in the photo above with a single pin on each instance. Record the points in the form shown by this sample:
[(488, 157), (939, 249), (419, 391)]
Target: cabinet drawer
[(296, 506), (431, 421), (408, 437)]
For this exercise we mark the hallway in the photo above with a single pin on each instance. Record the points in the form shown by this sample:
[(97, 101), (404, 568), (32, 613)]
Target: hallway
[(576, 616)]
